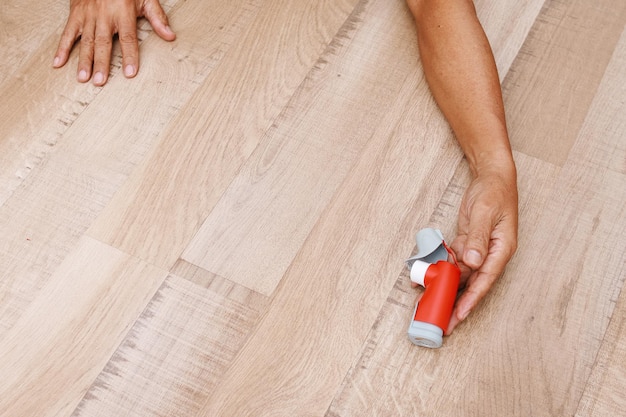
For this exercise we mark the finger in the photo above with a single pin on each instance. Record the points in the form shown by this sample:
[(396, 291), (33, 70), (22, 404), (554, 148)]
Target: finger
[(479, 285), (476, 246), (458, 246), (157, 17), (85, 56), (68, 38), (103, 44), (454, 321), (130, 45)]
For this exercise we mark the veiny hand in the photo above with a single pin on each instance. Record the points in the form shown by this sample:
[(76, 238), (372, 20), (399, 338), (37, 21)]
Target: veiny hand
[(487, 236), (96, 22)]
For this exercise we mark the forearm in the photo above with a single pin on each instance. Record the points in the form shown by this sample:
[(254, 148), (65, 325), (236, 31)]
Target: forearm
[(462, 75)]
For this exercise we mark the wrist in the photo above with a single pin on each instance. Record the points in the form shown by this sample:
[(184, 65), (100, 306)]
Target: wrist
[(485, 143), (487, 149), (494, 162)]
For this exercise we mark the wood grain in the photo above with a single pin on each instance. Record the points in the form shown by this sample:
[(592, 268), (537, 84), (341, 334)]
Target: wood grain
[(507, 24), (64, 339), (258, 226), (530, 347), (33, 119), (274, 201), (175, 354), (41, 122), (344, 288), (43, 222), (24, 26), (604, 394), (394, 377), (297, 147), (557, 73), (64, 177), (218, 130)]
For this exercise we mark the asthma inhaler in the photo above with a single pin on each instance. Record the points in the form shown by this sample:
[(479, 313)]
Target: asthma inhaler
[(440, 279)]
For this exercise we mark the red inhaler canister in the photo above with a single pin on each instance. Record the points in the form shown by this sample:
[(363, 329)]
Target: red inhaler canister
[(440, 278)]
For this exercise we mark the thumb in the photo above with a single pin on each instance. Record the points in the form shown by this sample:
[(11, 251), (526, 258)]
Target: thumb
[(157, 17), (478, 236)]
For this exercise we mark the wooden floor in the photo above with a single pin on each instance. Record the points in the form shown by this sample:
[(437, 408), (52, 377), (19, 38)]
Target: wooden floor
[(225, 234)]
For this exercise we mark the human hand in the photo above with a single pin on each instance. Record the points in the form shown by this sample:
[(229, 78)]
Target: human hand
[(487, 235), (96, 22)]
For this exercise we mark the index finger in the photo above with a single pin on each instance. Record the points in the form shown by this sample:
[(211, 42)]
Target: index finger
[(478, 285), (71, 32), (480, 282)]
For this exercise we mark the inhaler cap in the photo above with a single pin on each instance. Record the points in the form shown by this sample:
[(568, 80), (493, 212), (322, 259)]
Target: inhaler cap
[(430, 247), (425, 334)]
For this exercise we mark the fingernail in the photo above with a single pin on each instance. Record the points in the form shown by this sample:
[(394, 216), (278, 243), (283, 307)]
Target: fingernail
[(82, 75), (129, 70), (57, 61), (473, 258), (168, 29), (98, 78)]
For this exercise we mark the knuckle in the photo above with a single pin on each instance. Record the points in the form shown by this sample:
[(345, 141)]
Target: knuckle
[(478, 237), (103, 40), (87, 40), (128, 37)]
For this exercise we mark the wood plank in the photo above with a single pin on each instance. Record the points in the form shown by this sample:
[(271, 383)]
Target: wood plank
[(603, 132), (176, 352), (605, 394), (264, 217), (152, 217), (560, 67), (64, 339), (42, 223)]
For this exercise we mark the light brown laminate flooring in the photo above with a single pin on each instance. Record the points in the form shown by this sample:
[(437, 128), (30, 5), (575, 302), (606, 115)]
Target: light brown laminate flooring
[(225, 234)]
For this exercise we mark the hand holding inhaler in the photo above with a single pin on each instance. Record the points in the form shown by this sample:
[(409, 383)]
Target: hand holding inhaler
[(430, 268)]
